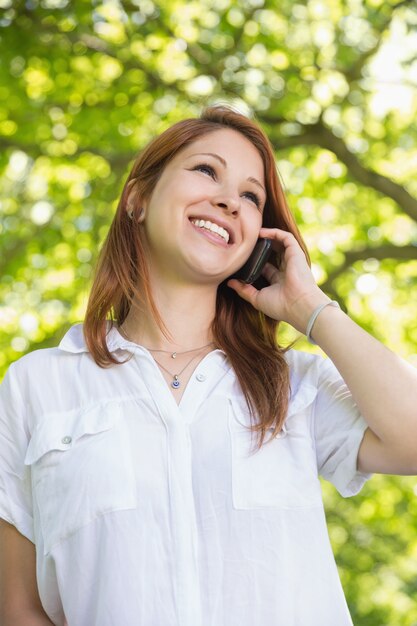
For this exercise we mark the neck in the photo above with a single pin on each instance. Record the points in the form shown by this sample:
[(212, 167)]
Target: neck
[(187, 313)]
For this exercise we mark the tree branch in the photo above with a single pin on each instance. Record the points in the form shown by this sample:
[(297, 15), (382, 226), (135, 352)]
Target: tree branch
[(367, 176), (382, 252), (320, 135), (308, 137)]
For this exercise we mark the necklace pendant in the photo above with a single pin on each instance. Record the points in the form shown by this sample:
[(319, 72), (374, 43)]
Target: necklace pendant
[(174, 355), (175, 383)]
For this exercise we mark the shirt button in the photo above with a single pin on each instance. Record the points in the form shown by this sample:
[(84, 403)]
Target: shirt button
[(201, 378), (66, 440)]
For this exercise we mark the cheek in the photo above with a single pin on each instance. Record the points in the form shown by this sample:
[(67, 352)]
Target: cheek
[(253, 221), (251, 232), (251, 235)]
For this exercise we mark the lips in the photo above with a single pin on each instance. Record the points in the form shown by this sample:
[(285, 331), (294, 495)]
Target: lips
[(214, 225)]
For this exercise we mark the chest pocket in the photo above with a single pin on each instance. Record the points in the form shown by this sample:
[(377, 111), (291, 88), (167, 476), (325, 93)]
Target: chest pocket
[(81, 468), (283, 473)]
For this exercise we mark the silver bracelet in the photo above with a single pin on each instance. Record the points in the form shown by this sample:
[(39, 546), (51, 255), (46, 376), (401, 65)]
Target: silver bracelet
[(315, 315)]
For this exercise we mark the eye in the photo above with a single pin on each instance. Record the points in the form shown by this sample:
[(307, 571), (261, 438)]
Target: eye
[(253, 197), (207, 169)]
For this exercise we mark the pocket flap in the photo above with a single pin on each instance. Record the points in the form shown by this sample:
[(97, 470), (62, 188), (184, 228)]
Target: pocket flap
[(300, 399), (60, 430)]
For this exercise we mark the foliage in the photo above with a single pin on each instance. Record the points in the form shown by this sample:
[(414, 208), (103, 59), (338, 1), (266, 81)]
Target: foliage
[(86, 84)]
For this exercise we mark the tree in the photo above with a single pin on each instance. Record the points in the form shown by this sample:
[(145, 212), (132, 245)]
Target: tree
[(86, 85)]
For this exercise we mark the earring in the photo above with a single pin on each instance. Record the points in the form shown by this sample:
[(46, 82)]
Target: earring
[(140, 217)]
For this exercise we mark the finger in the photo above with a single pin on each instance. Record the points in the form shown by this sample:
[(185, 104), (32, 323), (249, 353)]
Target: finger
[(284, 243), (277, 235), (244, 290), (274, 232), (271, 273)]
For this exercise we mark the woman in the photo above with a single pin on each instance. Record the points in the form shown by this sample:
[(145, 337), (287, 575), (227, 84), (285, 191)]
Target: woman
[(162, 463)]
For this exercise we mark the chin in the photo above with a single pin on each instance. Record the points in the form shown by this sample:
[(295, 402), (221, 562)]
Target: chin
[(207, 275)]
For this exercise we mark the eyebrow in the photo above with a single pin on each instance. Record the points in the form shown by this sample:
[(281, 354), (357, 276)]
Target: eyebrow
[(223, 162)]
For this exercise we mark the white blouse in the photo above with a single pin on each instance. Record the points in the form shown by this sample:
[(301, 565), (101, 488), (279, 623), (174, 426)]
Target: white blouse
[(145, 513)]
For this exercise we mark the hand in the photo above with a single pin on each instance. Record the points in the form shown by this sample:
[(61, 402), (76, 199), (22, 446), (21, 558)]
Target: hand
[(293, 293)]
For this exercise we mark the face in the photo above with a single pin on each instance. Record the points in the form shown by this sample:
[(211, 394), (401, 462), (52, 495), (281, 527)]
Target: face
[(215, 184)]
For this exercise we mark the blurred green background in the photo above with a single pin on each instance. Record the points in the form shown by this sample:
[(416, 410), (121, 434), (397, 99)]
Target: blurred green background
[(84, 85)]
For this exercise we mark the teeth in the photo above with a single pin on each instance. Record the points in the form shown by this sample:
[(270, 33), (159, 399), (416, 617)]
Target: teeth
[(213, 227)]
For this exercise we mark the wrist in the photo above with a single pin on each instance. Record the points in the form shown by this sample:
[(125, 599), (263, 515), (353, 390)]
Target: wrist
[(304, 307), (311, 322)]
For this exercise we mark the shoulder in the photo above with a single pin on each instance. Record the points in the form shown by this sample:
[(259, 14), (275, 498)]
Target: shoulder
[(42, 380), (303, 365), (309, 369), (31, 365), (308, 364), (42, 369)]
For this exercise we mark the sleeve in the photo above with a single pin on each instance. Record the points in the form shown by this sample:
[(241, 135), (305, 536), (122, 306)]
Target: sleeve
[(338, 431), (15, 479)]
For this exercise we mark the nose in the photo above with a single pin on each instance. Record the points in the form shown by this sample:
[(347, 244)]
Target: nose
[(228, 203)]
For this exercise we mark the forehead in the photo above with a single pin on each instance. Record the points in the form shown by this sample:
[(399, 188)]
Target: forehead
[(231, 146)]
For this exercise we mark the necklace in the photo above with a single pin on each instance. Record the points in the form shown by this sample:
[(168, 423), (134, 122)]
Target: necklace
[(176, 383), (174, 354)]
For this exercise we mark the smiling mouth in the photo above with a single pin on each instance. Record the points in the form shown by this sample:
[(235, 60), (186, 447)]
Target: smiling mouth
[(211, 227)]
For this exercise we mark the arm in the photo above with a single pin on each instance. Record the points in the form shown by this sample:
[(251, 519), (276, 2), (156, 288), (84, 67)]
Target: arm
[(20, 604), (382, 384)]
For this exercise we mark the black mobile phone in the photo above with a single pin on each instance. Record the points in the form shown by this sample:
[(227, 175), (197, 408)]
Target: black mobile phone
[(253, 266)]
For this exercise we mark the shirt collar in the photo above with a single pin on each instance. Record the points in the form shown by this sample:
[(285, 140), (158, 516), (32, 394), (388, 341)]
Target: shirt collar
[(74, 341)]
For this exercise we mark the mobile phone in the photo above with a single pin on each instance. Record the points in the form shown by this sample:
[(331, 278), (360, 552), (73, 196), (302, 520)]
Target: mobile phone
[(254, 265)]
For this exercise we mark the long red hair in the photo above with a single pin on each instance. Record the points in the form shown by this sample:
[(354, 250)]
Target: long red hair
[(248, 337)]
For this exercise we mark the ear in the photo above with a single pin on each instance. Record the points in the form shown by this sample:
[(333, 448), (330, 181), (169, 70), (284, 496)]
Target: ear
[(134, 207), (131, 199)]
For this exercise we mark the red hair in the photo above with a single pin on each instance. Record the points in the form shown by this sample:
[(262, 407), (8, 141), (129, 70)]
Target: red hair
[(247, 336)]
